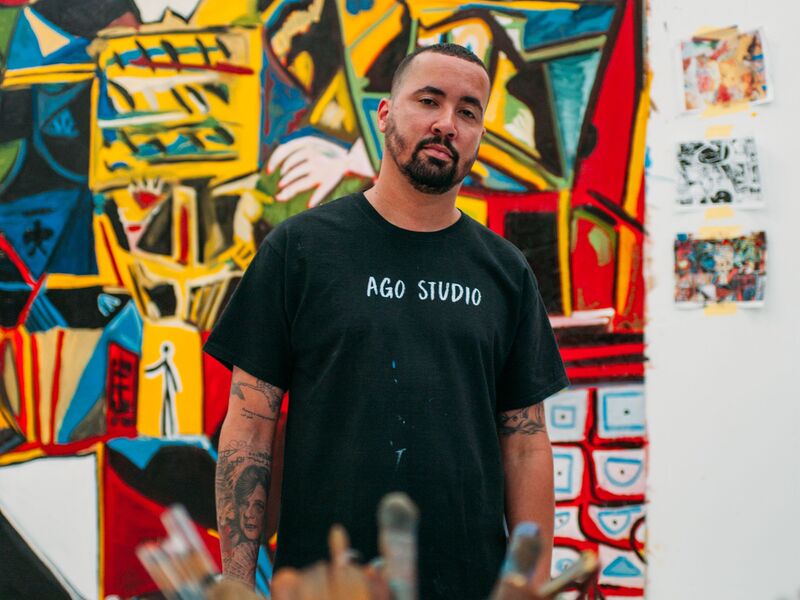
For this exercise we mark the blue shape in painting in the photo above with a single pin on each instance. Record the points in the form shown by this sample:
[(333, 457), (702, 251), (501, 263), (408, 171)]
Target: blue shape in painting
[(622, 567), (563, 417), (263, 572), (126, 330), (563, 564), (43, 315), (550, 26), (356, 6), (285, 102), (49, 101), (623, 471), (25, 52), (562, 519), (52, 231), (563, 464), (622, 411), (614, 521), (61, 126), (106, 304), (572, 79), (141, 450), (369, 108)]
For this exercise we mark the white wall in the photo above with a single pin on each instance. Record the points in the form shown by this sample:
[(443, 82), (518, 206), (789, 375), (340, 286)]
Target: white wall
[(722, 392)]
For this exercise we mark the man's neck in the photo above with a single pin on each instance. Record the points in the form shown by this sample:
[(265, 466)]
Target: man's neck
[(402, 205)]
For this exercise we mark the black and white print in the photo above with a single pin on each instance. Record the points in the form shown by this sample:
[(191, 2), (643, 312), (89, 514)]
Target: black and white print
[(719, 173)]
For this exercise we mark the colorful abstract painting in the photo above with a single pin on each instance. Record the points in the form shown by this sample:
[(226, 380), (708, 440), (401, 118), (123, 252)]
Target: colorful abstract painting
[(719, 172), (723, 67), (720, 270), (146, 149)]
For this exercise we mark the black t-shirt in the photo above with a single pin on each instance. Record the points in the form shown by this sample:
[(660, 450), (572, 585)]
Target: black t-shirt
[(399, 348)]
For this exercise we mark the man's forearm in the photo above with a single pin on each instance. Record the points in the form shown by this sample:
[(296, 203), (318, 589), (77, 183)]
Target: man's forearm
[(244, 469), (528, 467), (239, 553)]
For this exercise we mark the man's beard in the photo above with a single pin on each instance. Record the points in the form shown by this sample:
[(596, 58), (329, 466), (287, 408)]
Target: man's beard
[(427, 174)]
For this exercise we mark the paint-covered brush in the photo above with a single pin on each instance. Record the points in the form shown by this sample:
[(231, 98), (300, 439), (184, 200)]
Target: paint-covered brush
[(185, 541), (576, 574), (523, 553), (397, 523)]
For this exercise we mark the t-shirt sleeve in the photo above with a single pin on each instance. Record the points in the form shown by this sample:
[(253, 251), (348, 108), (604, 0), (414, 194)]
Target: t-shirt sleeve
[(533, 370), (253, 332)]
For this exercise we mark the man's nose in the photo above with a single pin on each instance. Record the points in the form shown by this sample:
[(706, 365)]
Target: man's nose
[(445, 124)]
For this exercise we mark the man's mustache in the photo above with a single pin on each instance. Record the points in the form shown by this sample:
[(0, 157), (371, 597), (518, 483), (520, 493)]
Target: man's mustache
[(441, 142)]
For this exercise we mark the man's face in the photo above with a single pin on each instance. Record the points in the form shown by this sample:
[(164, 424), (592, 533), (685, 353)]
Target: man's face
[(433, 124)]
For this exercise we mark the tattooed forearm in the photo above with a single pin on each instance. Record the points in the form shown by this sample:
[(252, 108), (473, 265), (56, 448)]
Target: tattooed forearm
[(242, 482), (249, 414), (518, 421), (272, 394)]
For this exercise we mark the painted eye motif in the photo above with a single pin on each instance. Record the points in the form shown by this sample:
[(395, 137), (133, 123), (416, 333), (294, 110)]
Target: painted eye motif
[(623, 472), (567, 472), (620, 472), (561, 519)]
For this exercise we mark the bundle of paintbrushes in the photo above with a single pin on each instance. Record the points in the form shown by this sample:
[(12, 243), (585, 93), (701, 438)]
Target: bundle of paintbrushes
[(180, 564), (520, 563)]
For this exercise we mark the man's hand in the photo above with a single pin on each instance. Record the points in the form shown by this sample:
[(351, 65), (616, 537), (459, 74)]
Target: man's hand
[(337, 580)]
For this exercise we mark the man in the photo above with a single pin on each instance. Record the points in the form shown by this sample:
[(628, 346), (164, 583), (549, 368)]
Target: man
[(416, 349)]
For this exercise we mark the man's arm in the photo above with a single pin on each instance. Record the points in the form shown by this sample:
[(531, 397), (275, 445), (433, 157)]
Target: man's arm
[(244, 467), (528, 467)]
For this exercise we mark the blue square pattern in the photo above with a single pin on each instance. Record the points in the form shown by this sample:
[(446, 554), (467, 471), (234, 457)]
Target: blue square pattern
[(622, 411), (562, 417), (564, 464)]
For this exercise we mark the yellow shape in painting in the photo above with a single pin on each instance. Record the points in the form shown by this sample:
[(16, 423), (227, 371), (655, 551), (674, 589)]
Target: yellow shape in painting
[(297, 23), (303, 69), (170, 123), (638, 153), (626, 248), (77, 349), (368, 45), (428, 11), (474, 207), (170, 381), (491, 154), (49, 39), (354, 26), (224, 12), (334, 110), (563, 250)]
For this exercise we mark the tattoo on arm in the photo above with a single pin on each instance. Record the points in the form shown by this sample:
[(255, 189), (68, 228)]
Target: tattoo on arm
[(270, 393), (242, 483), (518, 421)]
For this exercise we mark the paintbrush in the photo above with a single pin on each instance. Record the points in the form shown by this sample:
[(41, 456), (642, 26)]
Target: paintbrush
[(397, 537)]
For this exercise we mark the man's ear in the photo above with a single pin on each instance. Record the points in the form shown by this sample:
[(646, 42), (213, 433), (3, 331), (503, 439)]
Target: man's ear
[(383, 113)]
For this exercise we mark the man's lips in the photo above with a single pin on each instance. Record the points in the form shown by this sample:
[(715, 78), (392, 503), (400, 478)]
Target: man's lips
[(438, 151)]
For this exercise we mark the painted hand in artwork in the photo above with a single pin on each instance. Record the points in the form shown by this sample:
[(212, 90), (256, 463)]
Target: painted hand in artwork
[(312, 162)]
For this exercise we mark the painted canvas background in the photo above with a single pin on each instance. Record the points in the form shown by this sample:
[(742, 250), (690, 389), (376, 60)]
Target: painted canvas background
[(146, 148)]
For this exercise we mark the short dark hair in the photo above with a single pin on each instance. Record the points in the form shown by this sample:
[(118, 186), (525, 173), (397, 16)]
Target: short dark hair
[(446, 49)]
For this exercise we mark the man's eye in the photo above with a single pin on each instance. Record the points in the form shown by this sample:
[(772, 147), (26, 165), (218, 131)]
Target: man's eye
[(428, 101), (468, 113)]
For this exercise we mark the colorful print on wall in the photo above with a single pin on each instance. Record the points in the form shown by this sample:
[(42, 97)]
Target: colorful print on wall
[(146, 149), (724, 67), (719, 173), (711, 271)]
